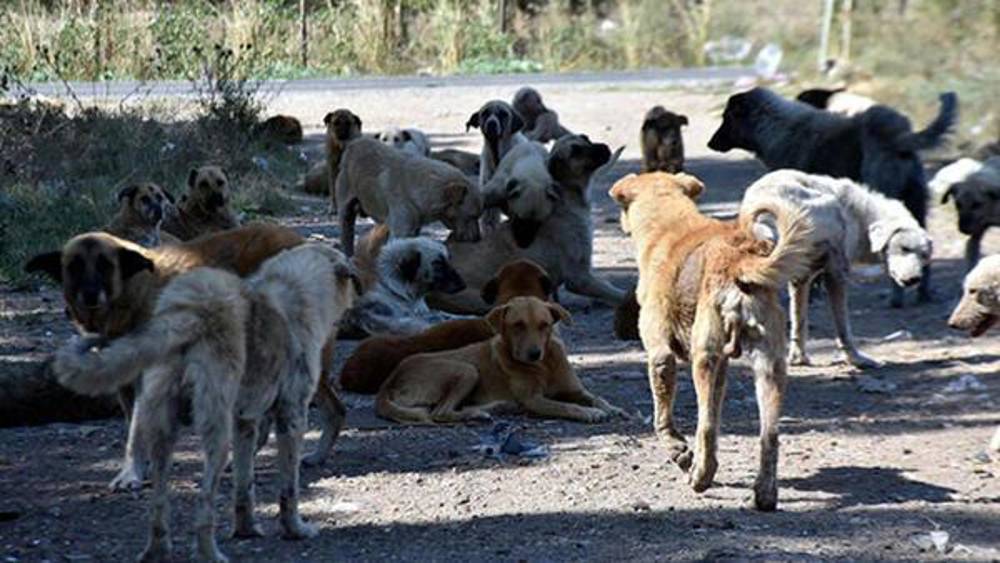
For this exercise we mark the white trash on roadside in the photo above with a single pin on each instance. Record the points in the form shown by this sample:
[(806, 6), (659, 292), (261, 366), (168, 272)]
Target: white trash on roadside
[(728, 49), (965, 383), (768, 60), (937, 540)]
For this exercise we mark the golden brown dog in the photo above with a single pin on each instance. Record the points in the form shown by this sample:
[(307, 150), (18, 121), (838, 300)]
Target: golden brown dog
[(341, 126), (662, 142), (111, 285), (708, 290), (141, 214), (524, 364), (281, 128), (205, 208), (374, 360)]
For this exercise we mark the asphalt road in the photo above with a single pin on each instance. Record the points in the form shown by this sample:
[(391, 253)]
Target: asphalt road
[(662, 77)]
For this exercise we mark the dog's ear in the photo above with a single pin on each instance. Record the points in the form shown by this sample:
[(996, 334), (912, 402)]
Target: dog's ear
[(879, 234), (681, 120), (547, 286), (357, 121), (454, 193), (516, 122), (472, 122), (131, 263), (947, 194), (192, 176), (490, 291), (406, 135), (559, 314), (327, 118), (409, 266), (127, 192), (49, 263), (690, 185), (623, 191), (495, 318)]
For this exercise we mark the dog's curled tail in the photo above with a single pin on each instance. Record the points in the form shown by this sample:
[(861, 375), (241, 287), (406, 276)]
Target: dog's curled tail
[(933, 134), (188, 309), (366, 255), (790, 230)]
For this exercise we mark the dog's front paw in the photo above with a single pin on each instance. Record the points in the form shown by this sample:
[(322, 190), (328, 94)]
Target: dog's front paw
[(298, 529), (765, 494), (702, 474), (128, 479), (620, 413), (863, 361), (798, 357)]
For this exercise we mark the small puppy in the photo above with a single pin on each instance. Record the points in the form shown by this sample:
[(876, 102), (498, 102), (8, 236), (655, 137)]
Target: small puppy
[(204, 208), (342, 126), (247, 350), (523, 188), (837, 100), (412, 141), (404, 271), (141, 214), (525, 364), (501, 127), (707, 290), (467, 162), (372, 361), (975, 187), (403, 191), (661, 141), (979, 308), (281, 128), (541, 124)]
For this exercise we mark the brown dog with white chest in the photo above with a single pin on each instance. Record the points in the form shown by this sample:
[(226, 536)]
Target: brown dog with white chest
[(662, 142), (524, 364), (375, 358), (140, 215), (708, 290), (205, 208)]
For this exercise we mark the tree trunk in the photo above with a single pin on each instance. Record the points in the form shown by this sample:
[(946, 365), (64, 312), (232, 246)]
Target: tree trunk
[(30, 394)]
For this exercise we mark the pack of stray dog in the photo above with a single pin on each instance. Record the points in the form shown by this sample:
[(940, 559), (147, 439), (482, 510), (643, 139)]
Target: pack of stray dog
[(180, 308)]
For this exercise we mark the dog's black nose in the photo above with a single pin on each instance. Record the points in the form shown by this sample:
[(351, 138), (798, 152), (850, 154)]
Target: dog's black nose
[(535, 354), (216, 200), (157, 213)]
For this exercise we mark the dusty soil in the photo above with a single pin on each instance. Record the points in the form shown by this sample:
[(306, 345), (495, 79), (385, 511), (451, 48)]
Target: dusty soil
[(862, 473)]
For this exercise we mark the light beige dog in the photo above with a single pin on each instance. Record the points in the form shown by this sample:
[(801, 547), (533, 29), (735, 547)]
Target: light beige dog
[(524, 364), (404, 192), (141, 214), (205, 208), (979, 308), (708, 290), (562, 246), (523, 188), (248, 349)]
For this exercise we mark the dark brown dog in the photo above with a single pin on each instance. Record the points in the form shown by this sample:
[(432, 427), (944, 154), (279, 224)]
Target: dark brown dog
[(281, 128), (661, 140), (140, 216), (205, 208), (541, 124), (341, 126), (372, 362)]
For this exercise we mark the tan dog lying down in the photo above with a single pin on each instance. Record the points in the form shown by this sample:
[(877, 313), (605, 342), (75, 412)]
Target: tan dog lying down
[(525, 363), (708, 289)]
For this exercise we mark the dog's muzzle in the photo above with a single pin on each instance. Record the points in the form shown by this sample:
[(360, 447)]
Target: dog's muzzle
[(216, 201), (492, 128), (720, 140)]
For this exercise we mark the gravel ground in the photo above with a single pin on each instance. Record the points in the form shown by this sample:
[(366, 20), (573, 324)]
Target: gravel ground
[(863, 474)]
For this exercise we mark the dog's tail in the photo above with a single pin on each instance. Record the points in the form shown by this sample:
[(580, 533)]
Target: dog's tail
[(791, 232), (188, 310), (934, 134), (366, 256)]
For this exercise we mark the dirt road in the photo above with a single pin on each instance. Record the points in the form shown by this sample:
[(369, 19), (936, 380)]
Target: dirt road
[(863, 473)]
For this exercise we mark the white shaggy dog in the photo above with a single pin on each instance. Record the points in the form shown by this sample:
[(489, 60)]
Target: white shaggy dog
[(247, 349), (413, 141), (398, 275), (851, 223)]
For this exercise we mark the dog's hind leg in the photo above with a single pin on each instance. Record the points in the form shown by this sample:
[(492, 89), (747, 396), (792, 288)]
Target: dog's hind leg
[(662, 371), (708, 369), (245, 442), (769, 378), (798, 310), (290, 424), (156, 417), (133, 469), (214, 396), (835, 279), (331, 409)]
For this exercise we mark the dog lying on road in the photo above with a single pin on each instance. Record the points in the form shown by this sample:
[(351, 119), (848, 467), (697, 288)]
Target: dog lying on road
[(851, 223), (141, 215), (248, 349), (877, 148), (563, 245), (413, 141), (403, 191), (524, 364), (375, 358), (708, 289)]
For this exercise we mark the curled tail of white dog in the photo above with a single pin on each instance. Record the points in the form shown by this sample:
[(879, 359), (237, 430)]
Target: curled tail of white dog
[(791, 232), (190, 308)]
